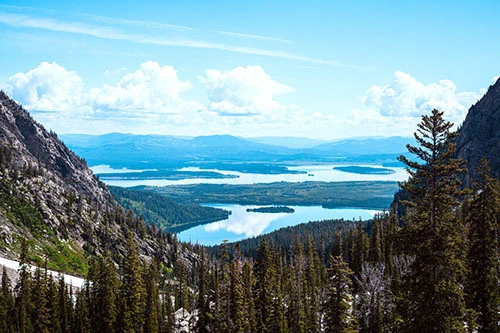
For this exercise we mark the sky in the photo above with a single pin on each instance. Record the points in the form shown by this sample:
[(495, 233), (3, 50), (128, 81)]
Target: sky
[(319, 69)]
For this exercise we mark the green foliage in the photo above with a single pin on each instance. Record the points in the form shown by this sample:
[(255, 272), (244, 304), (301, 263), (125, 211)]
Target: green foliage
[(160, 210), (360, 194), (483, 217), (434, 233)]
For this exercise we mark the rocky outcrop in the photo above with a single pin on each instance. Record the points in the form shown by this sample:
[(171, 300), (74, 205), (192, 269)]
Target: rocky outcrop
[(49, 196), (480, 133)]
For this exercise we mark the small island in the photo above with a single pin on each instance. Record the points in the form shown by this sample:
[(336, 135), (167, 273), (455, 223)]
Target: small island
[(364, 170), (272, 209)]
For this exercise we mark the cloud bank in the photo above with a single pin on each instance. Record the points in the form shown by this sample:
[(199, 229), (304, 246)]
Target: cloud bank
[(244, 101), (398, 106)]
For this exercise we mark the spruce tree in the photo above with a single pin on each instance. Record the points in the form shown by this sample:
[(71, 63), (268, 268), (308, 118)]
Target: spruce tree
[(265, 288), (483, 217), (132, 290), (6, 304), (104, 290), (23, 302), (338, 306), (248, 298), (434, 233), (152, 311)]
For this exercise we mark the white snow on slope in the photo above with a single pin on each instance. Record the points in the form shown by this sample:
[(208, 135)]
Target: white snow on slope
[(69, 279)]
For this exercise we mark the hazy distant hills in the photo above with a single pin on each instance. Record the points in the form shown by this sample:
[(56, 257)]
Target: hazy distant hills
[(156, 151)]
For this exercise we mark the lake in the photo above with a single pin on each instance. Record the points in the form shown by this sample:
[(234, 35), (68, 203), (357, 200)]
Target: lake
[(324, 173), (242, 224)]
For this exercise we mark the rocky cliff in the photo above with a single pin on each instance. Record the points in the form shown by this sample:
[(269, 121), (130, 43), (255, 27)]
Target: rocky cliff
[(480, 133), (49, 196)]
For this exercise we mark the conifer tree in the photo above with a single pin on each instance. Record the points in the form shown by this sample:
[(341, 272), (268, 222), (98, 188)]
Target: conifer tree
[(6, 304), (296, 272), (81, 319), (40, 317), (338, 306), (433, 231), (132, 290), (248, 299), (152, 311), (104, 290), (203, 297), (312, 286), (23, 303), (265, 288), (484, 260)]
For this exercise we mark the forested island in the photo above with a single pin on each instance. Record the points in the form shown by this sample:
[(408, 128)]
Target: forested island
[(364, 170), (272, 209)]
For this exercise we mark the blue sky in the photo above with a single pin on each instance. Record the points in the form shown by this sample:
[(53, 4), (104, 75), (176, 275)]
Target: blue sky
[(319, 69)]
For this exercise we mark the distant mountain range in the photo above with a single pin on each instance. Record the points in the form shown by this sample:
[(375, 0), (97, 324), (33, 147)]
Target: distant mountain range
[(156, 151)]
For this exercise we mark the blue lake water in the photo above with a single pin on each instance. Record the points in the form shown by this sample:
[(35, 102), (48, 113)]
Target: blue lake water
[(324, 173), (242, 224)]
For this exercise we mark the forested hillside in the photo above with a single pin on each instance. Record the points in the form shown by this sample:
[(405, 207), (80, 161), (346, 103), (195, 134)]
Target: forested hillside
[(167, 214)]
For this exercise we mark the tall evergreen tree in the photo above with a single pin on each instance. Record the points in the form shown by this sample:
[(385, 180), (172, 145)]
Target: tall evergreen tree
[(484, 260), (248, 299), (339, 316), (265, 288), (6, 304), (104, 290), (132, 290), (152, 311), (434, 232), (23, 303)]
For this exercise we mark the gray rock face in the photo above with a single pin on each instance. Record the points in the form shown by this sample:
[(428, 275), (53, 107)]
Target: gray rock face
[(48, 194), (480, 132)]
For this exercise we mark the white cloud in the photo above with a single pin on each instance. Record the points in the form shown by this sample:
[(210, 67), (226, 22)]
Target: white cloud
[(152, 88), (495, 79), (243, 91), (48, 87), (407, 99)]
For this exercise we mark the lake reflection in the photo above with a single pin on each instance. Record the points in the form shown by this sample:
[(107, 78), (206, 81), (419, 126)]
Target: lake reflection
[(242, 224)]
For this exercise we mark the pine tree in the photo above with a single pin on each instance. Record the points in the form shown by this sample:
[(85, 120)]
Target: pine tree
[(23, 304), (202, 303), (433, 231), (6, 304), (104, 292), (484, 260), (296, 272), (265, 288), (312, 287), (338, 306), (81, 320), (40, 316), (152, 311), (236, 297), (248, 298), (132, 290)]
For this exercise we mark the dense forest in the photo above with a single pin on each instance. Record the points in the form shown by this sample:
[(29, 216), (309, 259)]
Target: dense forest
[(164, 212), (434, 269)]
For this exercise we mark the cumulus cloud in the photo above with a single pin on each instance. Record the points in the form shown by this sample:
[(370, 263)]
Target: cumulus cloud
[(400, 104), (407, 97), (243, 91), (145, 100), (48, 87), (150, 88)]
